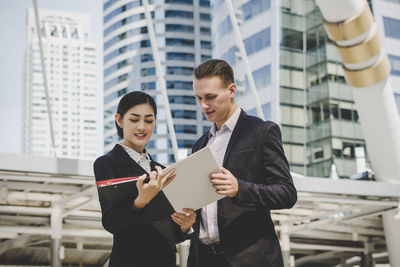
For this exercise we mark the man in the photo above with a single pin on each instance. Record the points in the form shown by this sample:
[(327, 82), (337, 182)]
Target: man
[(238, 229)]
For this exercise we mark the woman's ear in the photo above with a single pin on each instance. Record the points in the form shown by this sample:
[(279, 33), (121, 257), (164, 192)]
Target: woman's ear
[(119, 120)]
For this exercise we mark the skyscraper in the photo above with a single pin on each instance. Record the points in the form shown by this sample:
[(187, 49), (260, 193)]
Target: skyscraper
[(183, 36), (272, 37), (300, 80), (70, 62)]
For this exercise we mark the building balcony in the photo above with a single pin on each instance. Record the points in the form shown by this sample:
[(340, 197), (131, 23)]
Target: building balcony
[(330, 89)]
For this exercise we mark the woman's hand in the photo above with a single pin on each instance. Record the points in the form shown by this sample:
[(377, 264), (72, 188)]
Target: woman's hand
[(149, 190), (184, 220)]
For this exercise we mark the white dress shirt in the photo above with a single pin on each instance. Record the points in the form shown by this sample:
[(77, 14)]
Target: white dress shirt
[(143, 159), (217, 142)]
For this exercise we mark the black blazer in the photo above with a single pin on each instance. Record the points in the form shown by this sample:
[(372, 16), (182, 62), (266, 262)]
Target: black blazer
[(137, 241), (256, 158)]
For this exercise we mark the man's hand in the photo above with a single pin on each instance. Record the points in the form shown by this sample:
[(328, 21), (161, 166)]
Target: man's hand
[(184, 220), (225, 183)]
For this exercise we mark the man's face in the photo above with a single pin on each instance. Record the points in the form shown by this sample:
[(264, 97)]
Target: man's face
[(217, 100)]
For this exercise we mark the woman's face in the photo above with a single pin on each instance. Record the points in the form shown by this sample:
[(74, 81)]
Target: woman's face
[(138, 125)]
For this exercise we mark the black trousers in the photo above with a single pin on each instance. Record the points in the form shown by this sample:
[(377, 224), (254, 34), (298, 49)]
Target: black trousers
[(209, 257), (156, 260)]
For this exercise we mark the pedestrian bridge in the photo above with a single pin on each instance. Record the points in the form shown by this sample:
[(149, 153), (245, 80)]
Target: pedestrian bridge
[(50, 205)]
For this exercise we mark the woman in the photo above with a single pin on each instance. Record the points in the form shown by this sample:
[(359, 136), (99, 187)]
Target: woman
[(138, 240)]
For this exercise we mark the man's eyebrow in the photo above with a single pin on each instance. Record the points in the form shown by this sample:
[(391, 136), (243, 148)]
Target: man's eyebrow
[(206, 95)]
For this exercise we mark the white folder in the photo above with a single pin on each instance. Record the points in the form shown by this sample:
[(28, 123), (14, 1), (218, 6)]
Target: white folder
[(191, 187)]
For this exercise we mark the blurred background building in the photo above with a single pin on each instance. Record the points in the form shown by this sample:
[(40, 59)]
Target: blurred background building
[(183, 35), (299, 79), (70, 60), (48, 205)]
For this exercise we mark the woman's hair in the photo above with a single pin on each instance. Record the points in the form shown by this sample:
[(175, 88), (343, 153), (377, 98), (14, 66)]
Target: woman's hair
[(130, 100)]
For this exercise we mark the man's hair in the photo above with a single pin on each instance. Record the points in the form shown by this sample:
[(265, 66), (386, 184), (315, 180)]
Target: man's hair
[(215, 67)]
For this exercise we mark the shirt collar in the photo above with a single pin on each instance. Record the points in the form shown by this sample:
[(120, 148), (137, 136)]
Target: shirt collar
[(134, 154), (228, 125)]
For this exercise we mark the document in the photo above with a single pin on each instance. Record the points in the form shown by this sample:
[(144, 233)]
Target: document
[(191, 187)]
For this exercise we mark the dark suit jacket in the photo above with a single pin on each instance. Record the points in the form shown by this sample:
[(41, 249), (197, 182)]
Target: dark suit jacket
[(256, 158), (137, 241)]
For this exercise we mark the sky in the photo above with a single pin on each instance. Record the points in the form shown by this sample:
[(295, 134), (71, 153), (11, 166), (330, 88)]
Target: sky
[(12, 49)]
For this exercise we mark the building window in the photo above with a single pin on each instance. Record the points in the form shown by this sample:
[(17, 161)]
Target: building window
[(205, 17), (179, 85), (182, 99), (116, 66), (397, 99), (266, 108), (180, 56), (190, 129), (116, 80), (258, 41), (124, 35), (230, 56), (142, 58), (292, 39), (172, 70), (125, 21), (262, 77), (124, 49), (185, 143), (224, 28), (148, 86), (178, 14), (179, 42), (187, 2), (206, 45), (183, 114), (255, 7), (391, 27), (394, 65), (205, 30), (205, 3), (205, 57), (178, 28)]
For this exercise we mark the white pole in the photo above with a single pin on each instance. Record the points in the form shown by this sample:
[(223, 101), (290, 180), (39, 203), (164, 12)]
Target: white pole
[(56, 234), (46, 90), (239, 43), (160, 75), (350, 25)]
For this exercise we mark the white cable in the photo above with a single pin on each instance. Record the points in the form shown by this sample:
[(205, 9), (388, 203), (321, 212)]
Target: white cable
[(160, 76), (239, 42), (46, 90)]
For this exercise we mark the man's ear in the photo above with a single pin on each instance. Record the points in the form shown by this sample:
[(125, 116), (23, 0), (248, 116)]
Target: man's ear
[(232, 89), (118, 119)]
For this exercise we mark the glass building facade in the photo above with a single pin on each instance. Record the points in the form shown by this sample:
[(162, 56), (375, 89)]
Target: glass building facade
[(313, 105), (183, 36), (272, 34), (334, 131)]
